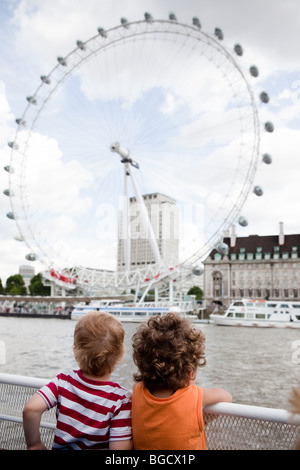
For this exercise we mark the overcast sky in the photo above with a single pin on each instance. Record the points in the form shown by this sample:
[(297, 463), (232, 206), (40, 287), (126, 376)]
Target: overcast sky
[(34, 33)]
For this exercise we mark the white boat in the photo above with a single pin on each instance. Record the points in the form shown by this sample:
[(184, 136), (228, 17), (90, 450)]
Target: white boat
[(125, 312), (264, 313)]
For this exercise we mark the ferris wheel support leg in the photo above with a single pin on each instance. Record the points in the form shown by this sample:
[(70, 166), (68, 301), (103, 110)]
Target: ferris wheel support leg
[(146, 220), (145, 292), (156, 295), (171, 291), (127, 244)]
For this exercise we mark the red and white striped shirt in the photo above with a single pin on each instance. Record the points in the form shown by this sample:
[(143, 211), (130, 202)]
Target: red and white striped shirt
[(89, 413)]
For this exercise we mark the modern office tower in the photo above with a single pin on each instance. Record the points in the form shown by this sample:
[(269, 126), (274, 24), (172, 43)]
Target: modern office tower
[(27, 272), (164, 217)]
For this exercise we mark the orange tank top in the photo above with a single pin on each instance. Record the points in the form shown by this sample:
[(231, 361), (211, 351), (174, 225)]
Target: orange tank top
[(172, 423)]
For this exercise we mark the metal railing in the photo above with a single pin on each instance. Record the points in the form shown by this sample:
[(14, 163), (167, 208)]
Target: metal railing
[(229, 426)]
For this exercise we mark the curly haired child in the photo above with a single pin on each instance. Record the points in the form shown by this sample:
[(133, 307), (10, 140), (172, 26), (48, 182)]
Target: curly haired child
[(166, 403), (92, 411)]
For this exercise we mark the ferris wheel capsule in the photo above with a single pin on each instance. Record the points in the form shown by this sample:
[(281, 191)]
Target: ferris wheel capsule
[(21, 122), (196, 22), (243, 221), (254, 71), (148, 16), (219, 34), (7, 192), (124, 22), (31, 100), (238, 49), (9, 169), (197, 270), (13, 145), (258, 190), (172, 17), (62, 61), (81, 45), (264, 97), (19, 238), (45, 79), (267, 158), (10, 215), (102, 32), (269, 126), (223, 249), (31, 257)]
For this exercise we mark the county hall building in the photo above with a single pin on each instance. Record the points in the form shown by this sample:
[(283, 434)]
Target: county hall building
[(260, 267)]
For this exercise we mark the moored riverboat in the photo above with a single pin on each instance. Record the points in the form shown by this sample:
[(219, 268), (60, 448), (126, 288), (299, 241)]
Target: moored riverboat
[(130, 312), (260, 313)]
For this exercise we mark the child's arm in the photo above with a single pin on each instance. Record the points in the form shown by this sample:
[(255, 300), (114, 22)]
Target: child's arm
[(120, 445), (215, 395), (32, 414)]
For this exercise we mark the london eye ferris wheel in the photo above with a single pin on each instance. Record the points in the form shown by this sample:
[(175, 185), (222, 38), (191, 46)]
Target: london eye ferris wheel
[(181, 115)]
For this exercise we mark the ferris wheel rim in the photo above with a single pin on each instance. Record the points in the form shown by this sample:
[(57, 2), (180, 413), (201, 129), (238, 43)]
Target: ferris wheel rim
[(121, 27)]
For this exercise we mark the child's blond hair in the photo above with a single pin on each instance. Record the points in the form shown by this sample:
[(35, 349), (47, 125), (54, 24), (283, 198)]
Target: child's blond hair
[(98, 343)]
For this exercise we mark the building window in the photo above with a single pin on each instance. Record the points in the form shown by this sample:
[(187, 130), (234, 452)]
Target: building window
[(285, 256), (267, 255), (249, 256), (233, 256), (259, 249), (217, 257), (286, 292), (276, 249), (241, 256), (258, 256), (217, 284)]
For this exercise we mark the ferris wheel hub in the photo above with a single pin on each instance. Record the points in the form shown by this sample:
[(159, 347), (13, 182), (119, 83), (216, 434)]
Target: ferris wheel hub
[(124, 153)]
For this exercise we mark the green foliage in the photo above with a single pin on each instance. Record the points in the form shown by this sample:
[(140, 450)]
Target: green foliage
[(15, 285), (195, 290), (36, 286)]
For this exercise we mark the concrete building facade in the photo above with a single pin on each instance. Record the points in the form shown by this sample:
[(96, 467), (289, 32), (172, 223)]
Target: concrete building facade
[(262, 267)]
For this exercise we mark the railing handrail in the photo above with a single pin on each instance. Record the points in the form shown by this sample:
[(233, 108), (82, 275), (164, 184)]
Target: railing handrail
[(23, 380), (229, 409), (254, 412)]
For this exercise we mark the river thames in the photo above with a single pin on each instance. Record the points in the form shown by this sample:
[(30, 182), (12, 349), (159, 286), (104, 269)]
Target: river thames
[(259, 366)]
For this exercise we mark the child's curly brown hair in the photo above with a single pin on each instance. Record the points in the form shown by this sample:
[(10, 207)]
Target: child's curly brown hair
[(166, 350)]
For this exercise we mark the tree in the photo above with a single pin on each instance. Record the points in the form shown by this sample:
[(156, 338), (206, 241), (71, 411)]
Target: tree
[(195, 290), (36, 286), (15, 285)]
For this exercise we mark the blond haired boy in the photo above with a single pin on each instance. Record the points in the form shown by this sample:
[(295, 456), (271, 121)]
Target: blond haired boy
[(92, 411)]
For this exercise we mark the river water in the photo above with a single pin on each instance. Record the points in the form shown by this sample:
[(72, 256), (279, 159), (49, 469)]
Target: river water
[(259, 366)]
